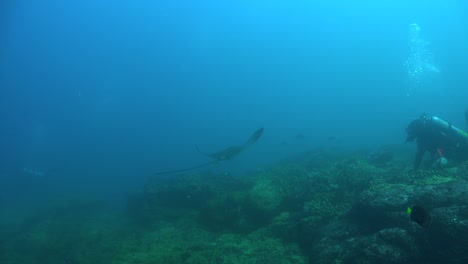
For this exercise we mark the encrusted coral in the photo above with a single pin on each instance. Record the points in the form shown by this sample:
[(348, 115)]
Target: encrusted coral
[(310, 210)]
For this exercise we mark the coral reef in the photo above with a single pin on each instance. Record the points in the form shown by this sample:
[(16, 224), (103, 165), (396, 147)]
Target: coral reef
[(343, 209)]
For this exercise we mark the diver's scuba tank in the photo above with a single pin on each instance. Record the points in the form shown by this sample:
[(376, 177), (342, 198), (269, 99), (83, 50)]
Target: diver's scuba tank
[(448, 127), (466, 116)]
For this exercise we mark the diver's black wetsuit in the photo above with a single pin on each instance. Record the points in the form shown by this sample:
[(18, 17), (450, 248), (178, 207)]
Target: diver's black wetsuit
[(439, 138)]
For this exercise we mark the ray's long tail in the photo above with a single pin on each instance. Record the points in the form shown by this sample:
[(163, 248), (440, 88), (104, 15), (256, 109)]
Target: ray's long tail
[(187, 169)]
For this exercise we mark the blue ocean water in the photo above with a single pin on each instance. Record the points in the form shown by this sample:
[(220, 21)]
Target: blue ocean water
[(98, 96)]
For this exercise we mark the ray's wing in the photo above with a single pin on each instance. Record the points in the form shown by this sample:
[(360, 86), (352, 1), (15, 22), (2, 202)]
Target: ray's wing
[(255, 136), (225, 154)]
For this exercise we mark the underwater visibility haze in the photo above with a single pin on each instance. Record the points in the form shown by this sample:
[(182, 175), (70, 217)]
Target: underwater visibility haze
[(285, 102)]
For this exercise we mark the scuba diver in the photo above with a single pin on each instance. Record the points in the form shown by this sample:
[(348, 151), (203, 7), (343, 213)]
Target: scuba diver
[(440, 139)]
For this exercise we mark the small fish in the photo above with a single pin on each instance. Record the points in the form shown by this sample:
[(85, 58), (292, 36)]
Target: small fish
[(419, 215)]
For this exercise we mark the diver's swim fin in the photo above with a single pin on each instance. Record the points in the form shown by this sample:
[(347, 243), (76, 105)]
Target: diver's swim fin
[(187, 169)]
